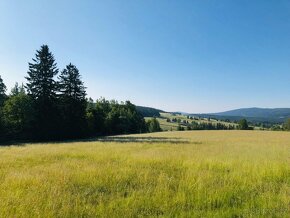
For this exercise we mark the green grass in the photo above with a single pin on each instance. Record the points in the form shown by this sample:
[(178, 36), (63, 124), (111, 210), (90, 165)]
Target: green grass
[(166, 126), (168, 174), (173, 126)]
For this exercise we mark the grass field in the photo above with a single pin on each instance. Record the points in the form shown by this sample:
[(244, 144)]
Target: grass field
[(169, 174), (166, 126), (171, 126)]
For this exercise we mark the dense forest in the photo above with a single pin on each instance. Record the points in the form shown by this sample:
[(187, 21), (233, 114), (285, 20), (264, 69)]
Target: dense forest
[(149, 112), (53, 105)]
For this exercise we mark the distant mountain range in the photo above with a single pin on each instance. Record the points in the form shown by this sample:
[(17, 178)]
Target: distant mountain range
[(258, 112), (255, 115), (271, 115)]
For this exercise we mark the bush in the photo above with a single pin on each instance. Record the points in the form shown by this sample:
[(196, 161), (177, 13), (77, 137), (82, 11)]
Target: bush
[(243, 124), (180, 128), (286, 125), (18, 115), (153, 125)]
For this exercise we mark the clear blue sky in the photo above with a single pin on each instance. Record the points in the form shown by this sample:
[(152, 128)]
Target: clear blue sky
[(193, 56)]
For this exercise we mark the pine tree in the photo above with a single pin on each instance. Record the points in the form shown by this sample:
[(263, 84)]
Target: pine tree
[(41, 84), (73, 102), (71, 85), (42, 87)]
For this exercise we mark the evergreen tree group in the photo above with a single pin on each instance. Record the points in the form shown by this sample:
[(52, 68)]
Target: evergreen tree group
[(53, 106)]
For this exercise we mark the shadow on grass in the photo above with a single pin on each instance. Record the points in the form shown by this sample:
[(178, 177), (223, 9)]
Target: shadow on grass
[(119, 139), (129, 139), (24, 143), (12, 143)]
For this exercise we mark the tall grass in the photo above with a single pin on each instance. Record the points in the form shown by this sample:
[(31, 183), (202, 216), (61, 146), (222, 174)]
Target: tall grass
[(187, 174)]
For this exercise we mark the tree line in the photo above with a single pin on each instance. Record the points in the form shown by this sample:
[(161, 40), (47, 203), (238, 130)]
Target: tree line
[(52, 105), (194, 125), (205, 126)]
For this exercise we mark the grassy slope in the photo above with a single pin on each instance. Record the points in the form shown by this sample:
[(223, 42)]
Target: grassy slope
[(164, 125), (169, 126), (197, 173)]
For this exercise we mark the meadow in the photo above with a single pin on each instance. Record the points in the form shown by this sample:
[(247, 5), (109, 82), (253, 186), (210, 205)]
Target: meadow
[(168, 174), (173, 126)]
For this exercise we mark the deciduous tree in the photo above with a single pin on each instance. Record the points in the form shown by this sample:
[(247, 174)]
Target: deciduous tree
[(243, 124)]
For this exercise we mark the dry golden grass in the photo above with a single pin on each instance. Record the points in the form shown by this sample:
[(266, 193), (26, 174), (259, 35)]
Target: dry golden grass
[(169, 174)]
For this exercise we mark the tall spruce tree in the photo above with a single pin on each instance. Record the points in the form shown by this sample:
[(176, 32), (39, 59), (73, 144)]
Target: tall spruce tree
[(73, 102), (42, 87)]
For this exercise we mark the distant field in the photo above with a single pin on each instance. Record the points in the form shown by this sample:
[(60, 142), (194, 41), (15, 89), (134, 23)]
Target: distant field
[(169, 174), (172, 126), (164, 125)]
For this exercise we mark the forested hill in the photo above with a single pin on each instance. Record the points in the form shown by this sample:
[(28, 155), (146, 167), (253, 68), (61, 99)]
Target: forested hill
[(149, 111), (258, 112), (255, 115)]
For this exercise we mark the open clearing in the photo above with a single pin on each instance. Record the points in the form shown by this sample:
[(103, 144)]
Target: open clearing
[(173, 126), (189, 174)]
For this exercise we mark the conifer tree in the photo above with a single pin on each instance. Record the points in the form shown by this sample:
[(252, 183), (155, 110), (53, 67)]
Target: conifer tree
[(40, 80), (42, 87), (73, 102)]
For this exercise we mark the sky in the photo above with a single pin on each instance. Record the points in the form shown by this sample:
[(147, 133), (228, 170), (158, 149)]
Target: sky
[(193, 56)]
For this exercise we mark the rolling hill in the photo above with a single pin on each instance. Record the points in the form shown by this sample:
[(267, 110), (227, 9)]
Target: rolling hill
[(148, 111), (255, 115), (280, 113)]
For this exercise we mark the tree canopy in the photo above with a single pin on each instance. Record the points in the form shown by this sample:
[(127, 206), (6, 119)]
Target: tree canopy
[(153, 125), (287, 124), (243, 124)]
